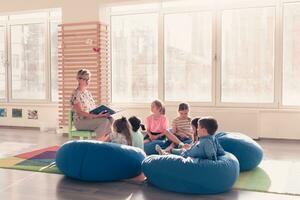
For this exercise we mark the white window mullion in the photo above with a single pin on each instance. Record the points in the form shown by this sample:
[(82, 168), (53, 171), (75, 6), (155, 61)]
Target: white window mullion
[(9, 66), (214, 60), (4, 64), (47, 61), (290, 50), (218, 57), (160, 49), (278, 55)]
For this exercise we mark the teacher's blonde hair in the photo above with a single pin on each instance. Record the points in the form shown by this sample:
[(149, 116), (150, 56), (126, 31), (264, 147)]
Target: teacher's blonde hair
[(83, 74)]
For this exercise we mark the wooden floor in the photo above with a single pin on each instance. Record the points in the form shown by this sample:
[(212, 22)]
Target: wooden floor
[(24, 185)]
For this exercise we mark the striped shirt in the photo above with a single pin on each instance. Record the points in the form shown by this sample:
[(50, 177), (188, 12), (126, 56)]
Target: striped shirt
[(183, 125)]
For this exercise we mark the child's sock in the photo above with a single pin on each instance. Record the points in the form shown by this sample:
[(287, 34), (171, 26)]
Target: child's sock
[(159, 150)]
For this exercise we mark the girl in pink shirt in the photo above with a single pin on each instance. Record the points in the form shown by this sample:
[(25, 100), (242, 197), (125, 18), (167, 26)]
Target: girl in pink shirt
[(157, 124)]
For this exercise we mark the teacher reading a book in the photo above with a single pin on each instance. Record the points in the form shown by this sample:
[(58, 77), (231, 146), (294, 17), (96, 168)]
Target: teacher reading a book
[(82, 103)]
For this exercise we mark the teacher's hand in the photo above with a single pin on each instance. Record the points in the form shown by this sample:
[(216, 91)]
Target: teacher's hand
[(103, 114)]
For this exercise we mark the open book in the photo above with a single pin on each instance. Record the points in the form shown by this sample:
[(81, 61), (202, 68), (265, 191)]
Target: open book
[(103, 109)]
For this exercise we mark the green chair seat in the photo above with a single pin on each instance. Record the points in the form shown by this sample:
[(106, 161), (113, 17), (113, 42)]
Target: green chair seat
[(72, 132)]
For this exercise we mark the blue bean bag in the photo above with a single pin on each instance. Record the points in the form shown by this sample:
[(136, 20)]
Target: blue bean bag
[(194, 176), (99, 161), (149, 147), (246, 150)]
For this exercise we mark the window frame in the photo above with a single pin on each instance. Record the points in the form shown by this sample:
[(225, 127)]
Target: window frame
[(281, 105), (4, 24), (213, 56), (111, 56), (219, 102)]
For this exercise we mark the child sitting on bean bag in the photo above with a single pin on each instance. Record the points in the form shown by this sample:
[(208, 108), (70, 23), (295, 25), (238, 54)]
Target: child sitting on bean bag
[(207, 147)]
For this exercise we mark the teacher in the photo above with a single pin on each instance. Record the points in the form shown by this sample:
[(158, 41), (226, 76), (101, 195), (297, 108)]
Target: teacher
[(82, 103)]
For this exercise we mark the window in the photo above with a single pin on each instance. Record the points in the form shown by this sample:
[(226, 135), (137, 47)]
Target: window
[(28, 61), (28, 53), (291, 52), (247, 72), (2, 63), (134, 58), (227, 54), (188, 57)]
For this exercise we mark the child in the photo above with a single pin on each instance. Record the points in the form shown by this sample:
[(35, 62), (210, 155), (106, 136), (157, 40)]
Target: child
[(156, 123), (181, 126), (208, 146), (137, 136), (194, 124), (121, 132)]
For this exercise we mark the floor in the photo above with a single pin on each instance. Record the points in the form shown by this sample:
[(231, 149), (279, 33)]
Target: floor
[(16, 184)]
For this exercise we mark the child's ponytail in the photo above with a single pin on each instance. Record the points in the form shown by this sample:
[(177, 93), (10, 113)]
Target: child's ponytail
[(163, 110)]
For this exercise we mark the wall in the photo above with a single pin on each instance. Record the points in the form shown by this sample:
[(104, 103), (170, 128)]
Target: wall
[(73, 11), (257, 123), (47, 116)]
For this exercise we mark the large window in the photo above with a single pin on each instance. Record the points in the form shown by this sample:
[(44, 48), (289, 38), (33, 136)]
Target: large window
[(291, 55), (28, 61), (2, 63), (248, 55), (31, 39), (188, 57), (134, 58), (230, 54)]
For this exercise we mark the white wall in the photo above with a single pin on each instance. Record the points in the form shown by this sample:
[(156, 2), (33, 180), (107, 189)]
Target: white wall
[(235, 120), (73, 11), (47, 116), (264, 123)]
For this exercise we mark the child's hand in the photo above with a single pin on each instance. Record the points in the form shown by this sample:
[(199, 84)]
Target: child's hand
[(152, 137)]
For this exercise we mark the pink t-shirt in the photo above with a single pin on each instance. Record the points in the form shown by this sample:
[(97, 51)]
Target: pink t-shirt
[(157, 124)]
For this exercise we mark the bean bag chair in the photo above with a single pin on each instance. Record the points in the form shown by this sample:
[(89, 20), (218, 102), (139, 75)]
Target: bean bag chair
[(194, 176), (89, 160), (248, 152), (149, 147)]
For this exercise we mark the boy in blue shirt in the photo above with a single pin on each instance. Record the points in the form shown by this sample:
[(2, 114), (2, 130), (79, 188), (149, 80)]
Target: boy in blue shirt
[(208, 146)]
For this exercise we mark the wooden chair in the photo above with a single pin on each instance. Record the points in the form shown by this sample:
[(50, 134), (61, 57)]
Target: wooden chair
[(72, 132)]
